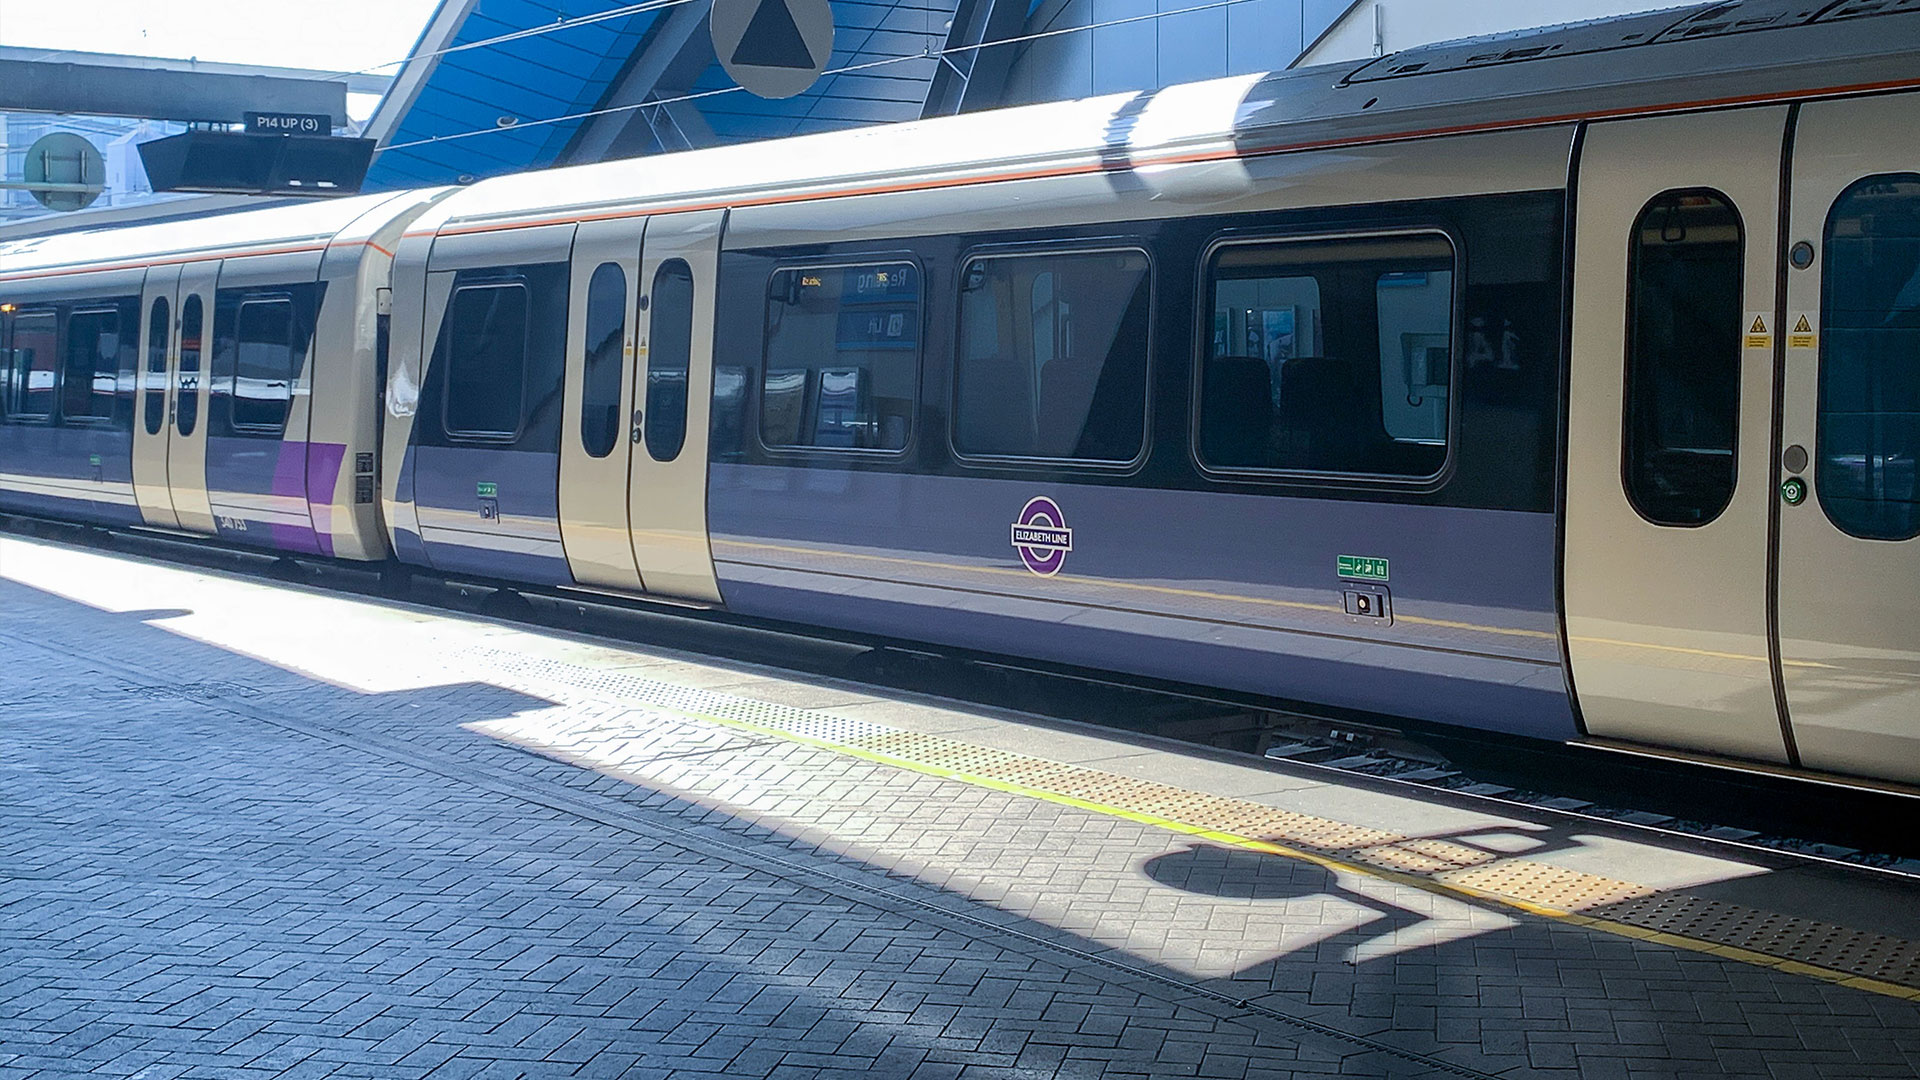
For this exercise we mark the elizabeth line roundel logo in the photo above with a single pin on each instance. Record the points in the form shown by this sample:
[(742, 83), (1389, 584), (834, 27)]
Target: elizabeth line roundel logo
[(1041, 536)]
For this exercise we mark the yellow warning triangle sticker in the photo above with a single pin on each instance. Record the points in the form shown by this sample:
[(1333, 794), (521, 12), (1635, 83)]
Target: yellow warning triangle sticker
[(1759, 325), (1803, 327)]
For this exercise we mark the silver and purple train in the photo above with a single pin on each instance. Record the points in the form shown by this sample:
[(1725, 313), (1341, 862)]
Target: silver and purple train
[(1564, 385)]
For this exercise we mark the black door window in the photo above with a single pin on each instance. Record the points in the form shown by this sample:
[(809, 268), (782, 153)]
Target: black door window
[(606, 333), (187, 416), (1684, 345), (669, 360), (159, 327), (1869, 435)]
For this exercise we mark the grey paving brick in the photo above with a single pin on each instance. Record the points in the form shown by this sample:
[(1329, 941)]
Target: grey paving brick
[(215, 866)]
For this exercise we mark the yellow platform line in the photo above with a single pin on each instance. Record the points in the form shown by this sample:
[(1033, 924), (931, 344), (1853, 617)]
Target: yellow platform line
[(1424, 883)]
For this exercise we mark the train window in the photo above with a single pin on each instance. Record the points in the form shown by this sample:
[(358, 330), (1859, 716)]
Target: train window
[(92, 375), (600, 423), (264, 366), (1329, 356), (159, 327), (1686, 267), (843, 357), (669, 360), (1868, 448), (33, 366), (1052, 358), (187, 415), (487, 361)]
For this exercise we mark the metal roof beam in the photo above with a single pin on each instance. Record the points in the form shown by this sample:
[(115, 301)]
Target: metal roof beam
[(159, 94), (664, 54), (357, 82), (976, 76)]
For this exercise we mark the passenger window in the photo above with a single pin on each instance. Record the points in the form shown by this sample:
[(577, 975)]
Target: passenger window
[(266, 366), (92, 376), (843, 357), (486, 361), (33, 366), (1052, 361), (159, 326), (600, 421), (669, 359), (1330, 356), (1686, 266), (1869, 435), (187, 416)]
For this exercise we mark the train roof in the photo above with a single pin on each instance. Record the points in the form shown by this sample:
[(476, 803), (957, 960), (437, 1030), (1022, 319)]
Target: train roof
[(1679, 59), (304, 224)]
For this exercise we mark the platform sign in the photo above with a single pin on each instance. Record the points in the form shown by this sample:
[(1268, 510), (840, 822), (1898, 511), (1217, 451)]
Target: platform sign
[(772, 48), (277, 123)]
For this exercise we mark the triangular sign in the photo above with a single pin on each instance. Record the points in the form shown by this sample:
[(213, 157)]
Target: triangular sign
[(1759, 325), (773, 40), (1802, 327)]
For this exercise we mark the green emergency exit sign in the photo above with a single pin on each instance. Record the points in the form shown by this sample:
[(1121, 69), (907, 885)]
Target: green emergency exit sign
[(1361, 567)]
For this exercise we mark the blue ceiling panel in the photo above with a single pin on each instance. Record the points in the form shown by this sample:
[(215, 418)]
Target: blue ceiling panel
[(540, 77), (538, 80)]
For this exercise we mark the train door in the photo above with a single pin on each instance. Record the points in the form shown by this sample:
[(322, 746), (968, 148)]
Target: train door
[(1670, 426), (187, 442), (595, 446), (1849, 480), (159, 308), (673, 390)]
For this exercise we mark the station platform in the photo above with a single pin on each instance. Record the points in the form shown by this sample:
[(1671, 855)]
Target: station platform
[(262, 830)]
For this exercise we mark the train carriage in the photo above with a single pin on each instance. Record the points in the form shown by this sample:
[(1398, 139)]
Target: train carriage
[(217, 377), (1560, 384)]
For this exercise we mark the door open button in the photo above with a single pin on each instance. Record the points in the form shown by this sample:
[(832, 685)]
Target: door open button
[(1368, 604)]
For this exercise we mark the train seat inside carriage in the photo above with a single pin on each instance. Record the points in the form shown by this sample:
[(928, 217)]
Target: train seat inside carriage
[(1236, 409), (994, 407), (1067, 388), (1325, 417), (1323, 420)]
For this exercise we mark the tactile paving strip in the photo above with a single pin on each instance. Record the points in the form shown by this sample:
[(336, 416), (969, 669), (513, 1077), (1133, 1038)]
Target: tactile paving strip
[(1874, 956), (1462, 867)]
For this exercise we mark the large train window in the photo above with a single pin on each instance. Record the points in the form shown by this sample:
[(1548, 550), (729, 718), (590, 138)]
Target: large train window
[(843, 357), (1686, 267), (92, 376), (486, 361), (1052, 358), (670, 359), (1868, 449), (33, 366), (260, 371), (159, 326), (606, 329), (1329, 356)]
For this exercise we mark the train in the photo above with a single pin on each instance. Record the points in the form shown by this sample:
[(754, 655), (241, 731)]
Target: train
[(1563, 385)]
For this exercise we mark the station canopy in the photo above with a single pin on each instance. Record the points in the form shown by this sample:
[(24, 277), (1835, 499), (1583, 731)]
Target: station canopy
[(502, 86)]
